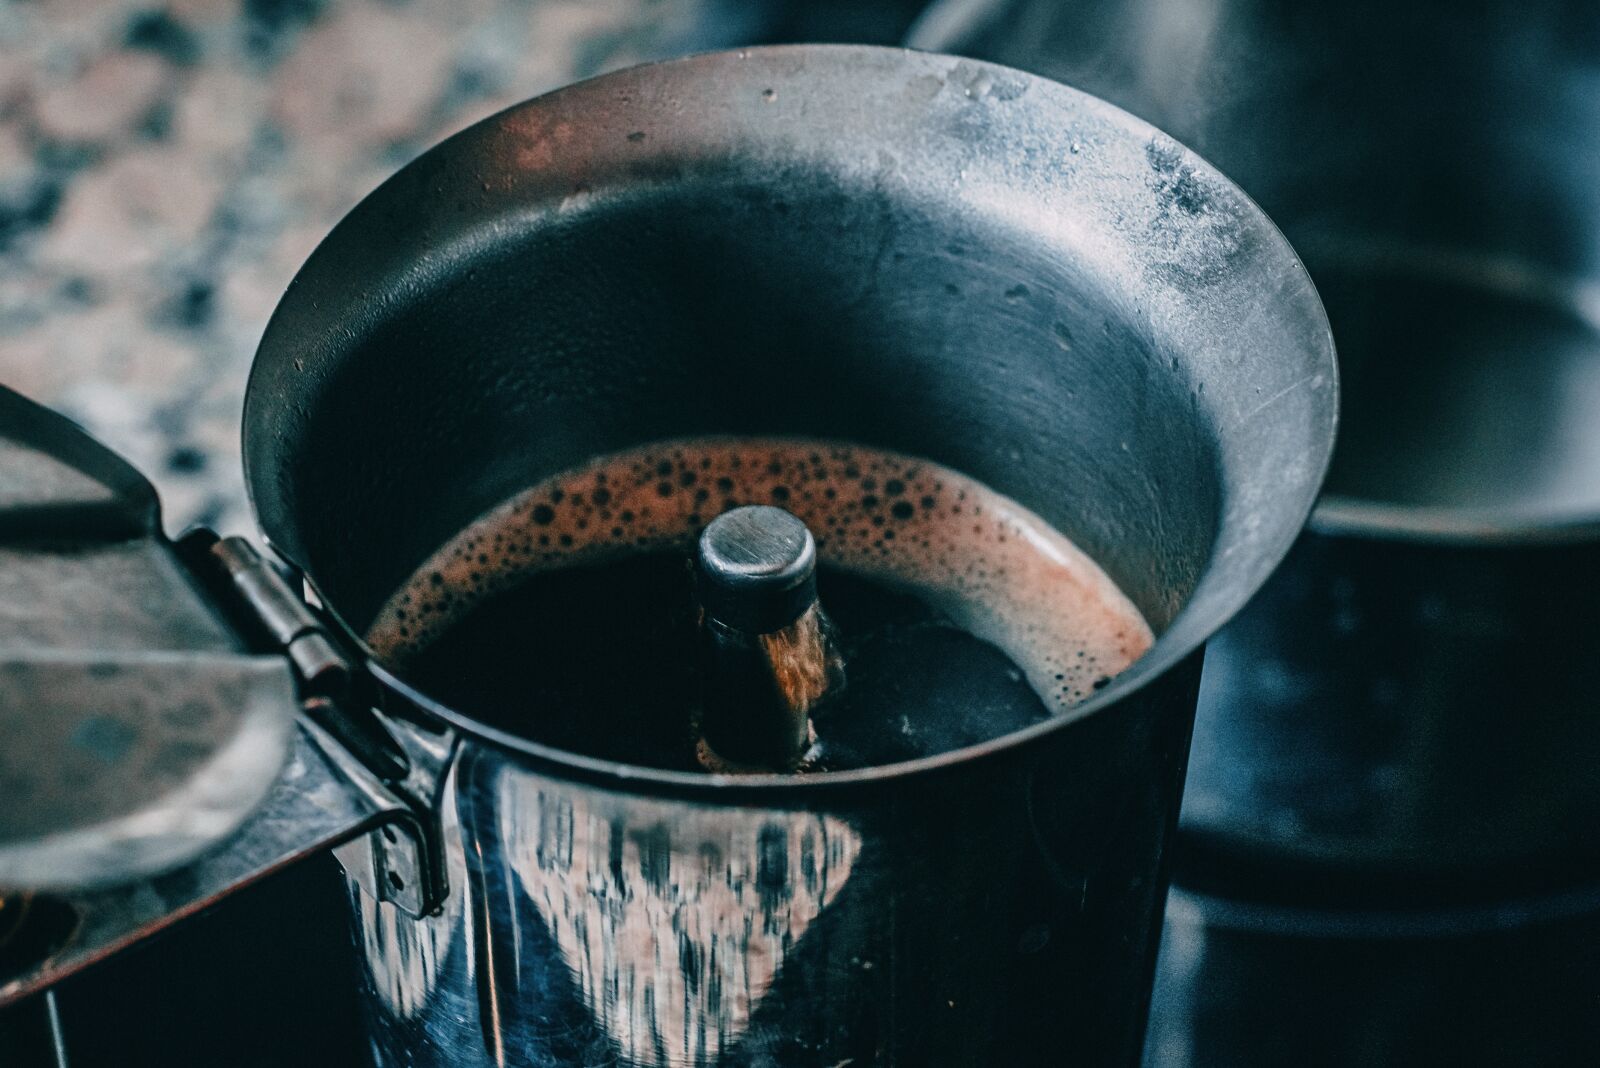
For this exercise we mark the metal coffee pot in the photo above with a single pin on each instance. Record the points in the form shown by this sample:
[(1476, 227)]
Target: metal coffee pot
[(1388, 852), (931, 255)]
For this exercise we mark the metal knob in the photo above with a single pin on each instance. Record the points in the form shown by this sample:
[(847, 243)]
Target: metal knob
[(757, 569)]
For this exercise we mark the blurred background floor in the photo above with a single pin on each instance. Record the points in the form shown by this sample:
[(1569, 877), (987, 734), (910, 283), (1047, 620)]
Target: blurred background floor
[(166, 167)]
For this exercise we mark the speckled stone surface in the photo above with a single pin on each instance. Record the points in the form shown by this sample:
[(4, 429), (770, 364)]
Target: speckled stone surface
[(165, 169)]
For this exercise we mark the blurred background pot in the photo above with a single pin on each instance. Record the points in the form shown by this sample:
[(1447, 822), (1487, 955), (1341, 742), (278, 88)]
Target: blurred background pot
[(1387, 850)]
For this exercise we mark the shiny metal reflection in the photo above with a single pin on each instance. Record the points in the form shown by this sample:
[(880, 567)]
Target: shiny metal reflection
[(655, 928), (672, 924)]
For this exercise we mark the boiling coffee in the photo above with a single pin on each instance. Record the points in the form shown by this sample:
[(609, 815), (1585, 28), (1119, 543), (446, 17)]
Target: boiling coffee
[(567, 614)]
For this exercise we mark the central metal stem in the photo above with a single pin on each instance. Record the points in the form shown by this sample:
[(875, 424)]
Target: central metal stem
[(768, 654)]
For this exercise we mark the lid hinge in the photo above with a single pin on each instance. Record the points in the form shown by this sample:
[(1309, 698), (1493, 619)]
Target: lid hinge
[(277, 616), (266, 610)]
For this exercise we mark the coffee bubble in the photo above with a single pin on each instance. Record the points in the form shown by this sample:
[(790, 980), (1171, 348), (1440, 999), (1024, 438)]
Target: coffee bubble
[(995, 568)]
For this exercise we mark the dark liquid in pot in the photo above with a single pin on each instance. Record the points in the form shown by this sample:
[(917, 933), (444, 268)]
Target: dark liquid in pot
[(602, 660), (568, 615)]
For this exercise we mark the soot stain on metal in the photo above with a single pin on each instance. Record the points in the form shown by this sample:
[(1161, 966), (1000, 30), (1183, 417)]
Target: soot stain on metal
[(1175, 180)]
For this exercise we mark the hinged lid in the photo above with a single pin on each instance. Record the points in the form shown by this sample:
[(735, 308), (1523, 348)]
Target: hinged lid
[(138, 726)]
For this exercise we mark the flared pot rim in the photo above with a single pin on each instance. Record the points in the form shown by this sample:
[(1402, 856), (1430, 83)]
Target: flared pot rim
[(1252, 548)]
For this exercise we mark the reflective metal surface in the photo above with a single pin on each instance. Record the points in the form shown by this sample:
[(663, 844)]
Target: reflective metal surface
[(310, 807), (913, 252), (138, 730), (1401, 723), (595, 925)]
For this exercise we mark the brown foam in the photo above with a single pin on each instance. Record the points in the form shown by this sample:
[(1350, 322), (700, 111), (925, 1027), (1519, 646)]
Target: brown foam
[(999, 570)]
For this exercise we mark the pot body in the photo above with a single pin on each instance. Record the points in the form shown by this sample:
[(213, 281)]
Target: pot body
[(998, 911), (911, 252)]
